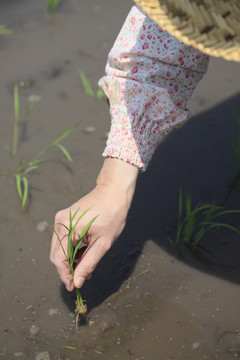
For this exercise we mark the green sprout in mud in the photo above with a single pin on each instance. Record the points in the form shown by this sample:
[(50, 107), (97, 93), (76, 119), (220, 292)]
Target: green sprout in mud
[(22, 169), (71, 253), (87, 87), (52, 5), (69, 347), (198, 221), (5, 31), (16, 116)]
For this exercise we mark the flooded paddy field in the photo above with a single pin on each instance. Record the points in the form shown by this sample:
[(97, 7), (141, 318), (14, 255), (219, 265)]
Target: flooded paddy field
[(148, 299)]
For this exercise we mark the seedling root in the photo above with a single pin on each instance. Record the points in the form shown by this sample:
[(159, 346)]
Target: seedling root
[(81, 309)]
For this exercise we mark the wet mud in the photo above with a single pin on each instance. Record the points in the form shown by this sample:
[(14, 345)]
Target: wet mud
[(148, 299)]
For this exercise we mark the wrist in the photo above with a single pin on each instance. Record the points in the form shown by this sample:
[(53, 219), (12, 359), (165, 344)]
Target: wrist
[(118, 174)]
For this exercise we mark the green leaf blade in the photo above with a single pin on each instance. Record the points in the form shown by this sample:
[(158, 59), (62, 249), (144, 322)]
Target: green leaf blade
[(85, 230), (31, 168), (36, 162), (55, 142), (5, 31), (86, 84), (20, 165), (100, 94), (25, 191), (53, 4), (60, 242), (65, 152), (19, 185)]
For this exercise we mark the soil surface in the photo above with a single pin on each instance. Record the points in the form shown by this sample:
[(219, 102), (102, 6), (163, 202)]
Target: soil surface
[(148, 298)]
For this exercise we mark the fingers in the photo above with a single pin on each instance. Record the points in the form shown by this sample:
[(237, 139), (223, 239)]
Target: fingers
[(64, 274), (58, 256)]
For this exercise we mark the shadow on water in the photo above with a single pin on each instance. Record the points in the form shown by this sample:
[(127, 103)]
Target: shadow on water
[(198, 157)]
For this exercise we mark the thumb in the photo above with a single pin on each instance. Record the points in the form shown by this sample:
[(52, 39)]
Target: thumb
[(89, 260), (79, 275), (84, 268), (79, 281)]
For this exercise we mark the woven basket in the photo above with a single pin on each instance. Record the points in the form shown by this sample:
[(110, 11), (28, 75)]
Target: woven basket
[(212, 26)]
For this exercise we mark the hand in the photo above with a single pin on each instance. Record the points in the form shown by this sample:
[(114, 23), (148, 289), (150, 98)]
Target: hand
[(110, 200)]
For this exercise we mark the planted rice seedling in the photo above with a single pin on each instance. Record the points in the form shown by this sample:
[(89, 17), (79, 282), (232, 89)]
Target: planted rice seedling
[(4, 30), (198, 221), (71, 253), (52, 5), (20, 175), (23, 169), (87, 87), (16, 116)]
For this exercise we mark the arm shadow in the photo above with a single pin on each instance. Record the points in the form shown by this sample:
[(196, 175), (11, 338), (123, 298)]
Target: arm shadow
[(200, 159)]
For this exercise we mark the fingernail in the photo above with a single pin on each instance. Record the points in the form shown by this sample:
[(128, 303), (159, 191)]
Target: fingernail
[(79, 281)]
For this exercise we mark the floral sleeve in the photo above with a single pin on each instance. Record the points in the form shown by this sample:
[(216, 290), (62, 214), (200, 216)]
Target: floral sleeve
[(150, 76)]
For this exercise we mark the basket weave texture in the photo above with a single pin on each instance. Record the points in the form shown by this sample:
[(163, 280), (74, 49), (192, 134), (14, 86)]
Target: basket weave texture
[(212, 26)]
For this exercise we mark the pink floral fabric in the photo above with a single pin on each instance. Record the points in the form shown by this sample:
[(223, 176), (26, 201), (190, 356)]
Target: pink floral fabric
[(150, 76)]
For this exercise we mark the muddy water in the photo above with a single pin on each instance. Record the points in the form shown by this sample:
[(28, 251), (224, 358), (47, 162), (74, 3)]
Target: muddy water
[(147, 300)]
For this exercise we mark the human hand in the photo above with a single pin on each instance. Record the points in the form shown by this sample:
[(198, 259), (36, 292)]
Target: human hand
[(110, 200)]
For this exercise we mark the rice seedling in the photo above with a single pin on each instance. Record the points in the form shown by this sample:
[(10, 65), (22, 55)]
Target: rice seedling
[(87, 87), (71, 253), (52, 5), (16, 116), (4, 30), (57, 143), (198, 221), (23, 170)]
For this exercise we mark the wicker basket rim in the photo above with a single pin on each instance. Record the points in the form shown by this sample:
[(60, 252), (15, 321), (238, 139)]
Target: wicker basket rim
[(212, 26)]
